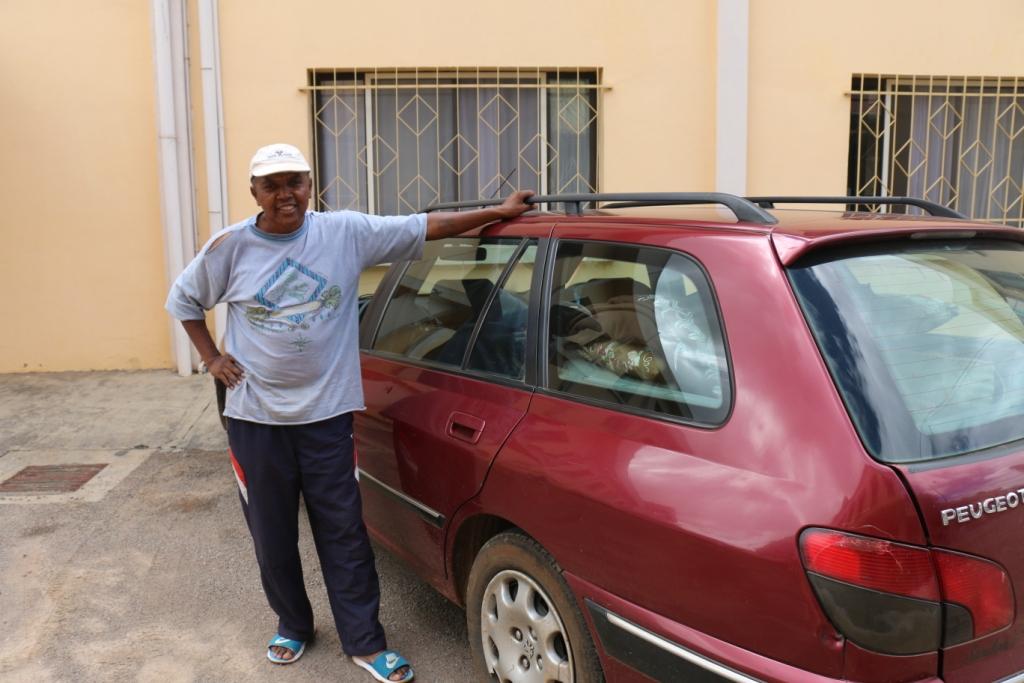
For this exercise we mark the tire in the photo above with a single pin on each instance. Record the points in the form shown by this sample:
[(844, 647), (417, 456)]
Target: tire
[(524, 626)]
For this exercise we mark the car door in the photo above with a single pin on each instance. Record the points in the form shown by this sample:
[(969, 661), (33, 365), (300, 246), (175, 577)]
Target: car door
[(445, 382)]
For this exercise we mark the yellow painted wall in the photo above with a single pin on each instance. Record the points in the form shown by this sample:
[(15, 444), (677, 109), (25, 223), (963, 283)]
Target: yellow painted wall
[(657, 56), (83, 255), (804, 52), (82, 264), (656, 62), (198, 135)]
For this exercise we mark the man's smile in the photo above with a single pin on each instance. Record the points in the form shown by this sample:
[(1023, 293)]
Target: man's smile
[(284, 198)]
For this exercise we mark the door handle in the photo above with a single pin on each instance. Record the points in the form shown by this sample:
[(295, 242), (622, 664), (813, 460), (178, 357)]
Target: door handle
[(465, 427)]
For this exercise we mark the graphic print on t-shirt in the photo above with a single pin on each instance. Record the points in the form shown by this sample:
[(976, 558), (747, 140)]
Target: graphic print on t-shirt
[(292, 298)]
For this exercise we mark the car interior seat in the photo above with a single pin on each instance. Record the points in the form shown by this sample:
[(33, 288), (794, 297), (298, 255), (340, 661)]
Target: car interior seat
[(475, 291)]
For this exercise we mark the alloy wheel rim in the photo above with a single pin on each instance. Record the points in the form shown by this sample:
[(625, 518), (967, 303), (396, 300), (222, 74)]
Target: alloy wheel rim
[(524, 638)]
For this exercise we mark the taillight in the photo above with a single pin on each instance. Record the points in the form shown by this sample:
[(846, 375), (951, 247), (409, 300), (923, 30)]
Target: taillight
[(871, 563), (902, 599), (980, 586)]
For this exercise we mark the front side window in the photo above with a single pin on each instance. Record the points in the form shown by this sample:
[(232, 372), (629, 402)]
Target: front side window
[(442, 297), (637, 328), (925, 341), (395, 141)]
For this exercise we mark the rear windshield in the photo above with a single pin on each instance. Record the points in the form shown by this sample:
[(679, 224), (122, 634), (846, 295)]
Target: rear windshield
[(925, 340)]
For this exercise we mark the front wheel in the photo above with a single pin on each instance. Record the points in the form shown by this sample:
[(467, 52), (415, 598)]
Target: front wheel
[(524, 626)]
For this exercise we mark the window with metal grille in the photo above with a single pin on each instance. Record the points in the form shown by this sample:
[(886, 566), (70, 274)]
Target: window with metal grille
[(958, 141), (395, 141)]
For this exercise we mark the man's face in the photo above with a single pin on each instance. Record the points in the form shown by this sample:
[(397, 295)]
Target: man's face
[(284, 198)]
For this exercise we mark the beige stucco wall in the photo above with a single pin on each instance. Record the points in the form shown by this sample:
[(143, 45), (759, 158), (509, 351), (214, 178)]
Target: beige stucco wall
[(666, 120), (82, 264), (804, 52), (199, 147), (658, 61), (83, 257)]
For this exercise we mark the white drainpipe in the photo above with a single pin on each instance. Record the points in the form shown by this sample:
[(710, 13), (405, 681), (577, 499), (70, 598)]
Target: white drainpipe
[(213, 126), (733, 55), (170, 51)]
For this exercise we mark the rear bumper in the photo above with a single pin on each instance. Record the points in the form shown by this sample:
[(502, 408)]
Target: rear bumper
[(630, 637)]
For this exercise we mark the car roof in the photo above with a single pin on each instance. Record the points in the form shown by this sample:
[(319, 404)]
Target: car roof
[(800, 231)]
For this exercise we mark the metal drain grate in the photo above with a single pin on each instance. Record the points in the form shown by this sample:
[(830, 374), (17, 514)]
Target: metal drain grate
[(50, 478)]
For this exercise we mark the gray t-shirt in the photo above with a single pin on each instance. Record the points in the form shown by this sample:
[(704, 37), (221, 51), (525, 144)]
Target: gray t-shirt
[(292, 321)]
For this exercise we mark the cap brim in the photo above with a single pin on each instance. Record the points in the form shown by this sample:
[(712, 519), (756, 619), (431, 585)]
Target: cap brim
[(283, 167)]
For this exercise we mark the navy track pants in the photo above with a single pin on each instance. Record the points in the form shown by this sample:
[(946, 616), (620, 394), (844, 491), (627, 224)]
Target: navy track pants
[(274, 464)]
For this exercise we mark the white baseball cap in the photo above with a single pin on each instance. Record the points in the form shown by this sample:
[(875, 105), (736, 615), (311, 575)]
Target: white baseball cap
[(277, 158)]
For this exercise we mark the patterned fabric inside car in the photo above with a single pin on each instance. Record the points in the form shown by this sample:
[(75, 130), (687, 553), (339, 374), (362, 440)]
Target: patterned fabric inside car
[(615, 340)]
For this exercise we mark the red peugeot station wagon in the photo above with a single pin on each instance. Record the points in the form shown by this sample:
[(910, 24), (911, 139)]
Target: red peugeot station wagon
[(640, 440)]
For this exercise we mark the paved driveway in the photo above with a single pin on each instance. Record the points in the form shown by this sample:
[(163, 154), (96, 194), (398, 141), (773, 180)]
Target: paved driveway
[(146, 572)]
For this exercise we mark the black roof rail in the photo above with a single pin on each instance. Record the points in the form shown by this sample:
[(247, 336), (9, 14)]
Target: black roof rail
[(744, 210), (931, 207)]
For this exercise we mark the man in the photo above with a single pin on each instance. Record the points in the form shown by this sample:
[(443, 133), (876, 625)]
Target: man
[(291, 365)]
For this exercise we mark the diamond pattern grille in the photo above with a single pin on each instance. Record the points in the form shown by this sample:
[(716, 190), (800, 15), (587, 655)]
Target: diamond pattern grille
[(389, 141), (957, 141)]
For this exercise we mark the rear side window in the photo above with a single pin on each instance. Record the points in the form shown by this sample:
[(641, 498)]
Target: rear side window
[(500, 344), (925, 341), (441, 300), (637, 327)]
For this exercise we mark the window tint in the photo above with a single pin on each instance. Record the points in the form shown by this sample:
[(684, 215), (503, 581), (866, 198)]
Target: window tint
[(925, 341), (637, 327), (500, 346), (441, 296)]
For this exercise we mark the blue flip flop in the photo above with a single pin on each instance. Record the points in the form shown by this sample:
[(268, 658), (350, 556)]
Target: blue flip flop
[(385, 664), (296, 647)]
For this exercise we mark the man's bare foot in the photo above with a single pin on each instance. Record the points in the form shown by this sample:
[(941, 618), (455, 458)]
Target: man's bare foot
[(282, 652), (398, 674)]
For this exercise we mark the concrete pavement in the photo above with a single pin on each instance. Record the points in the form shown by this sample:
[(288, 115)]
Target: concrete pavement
[(146, 573)]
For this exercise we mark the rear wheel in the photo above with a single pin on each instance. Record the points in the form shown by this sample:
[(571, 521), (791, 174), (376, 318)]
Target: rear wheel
[(524, 626)]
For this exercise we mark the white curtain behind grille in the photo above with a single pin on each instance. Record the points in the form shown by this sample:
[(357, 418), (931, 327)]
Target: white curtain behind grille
[(963, 151), (340, 124), (998, 124), (434, 143)]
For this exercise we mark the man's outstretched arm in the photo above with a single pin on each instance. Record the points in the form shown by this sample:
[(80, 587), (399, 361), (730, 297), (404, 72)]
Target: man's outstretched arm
[(450, 223)]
